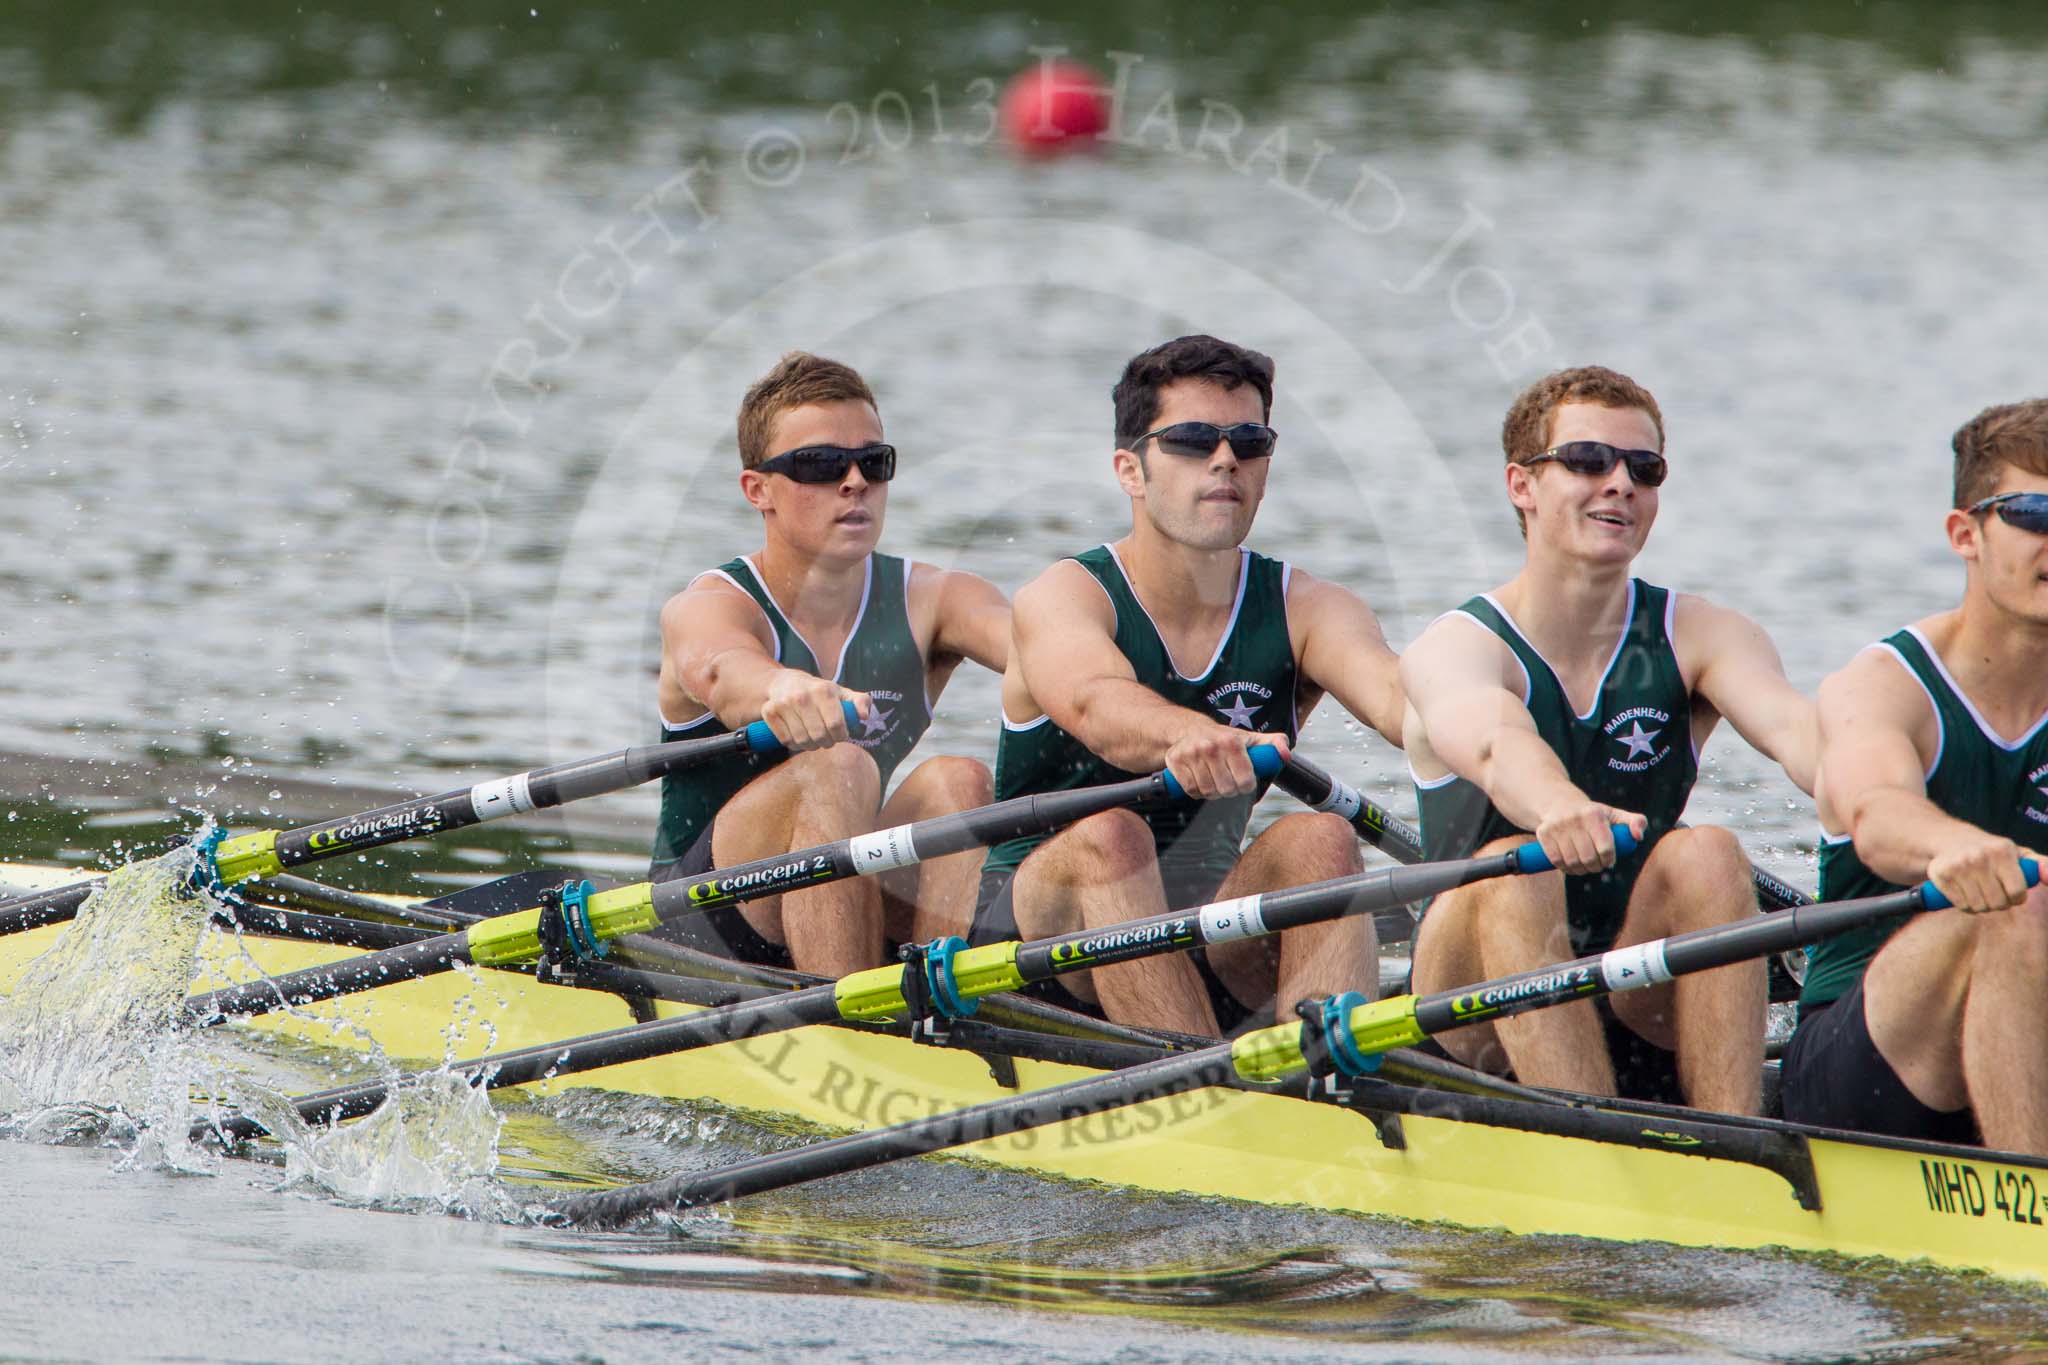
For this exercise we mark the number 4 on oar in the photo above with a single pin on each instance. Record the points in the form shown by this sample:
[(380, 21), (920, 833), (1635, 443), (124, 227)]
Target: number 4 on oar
[(1340, 1036)]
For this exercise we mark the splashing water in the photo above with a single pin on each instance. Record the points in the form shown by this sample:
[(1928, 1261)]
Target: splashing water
[(433, 1141), (95, 1049), (91, 1043)]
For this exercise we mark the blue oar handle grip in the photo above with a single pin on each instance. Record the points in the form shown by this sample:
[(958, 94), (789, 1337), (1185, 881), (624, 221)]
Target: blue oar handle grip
[(1530, 857), (762, 740), (1931, 897), (1265, 767)]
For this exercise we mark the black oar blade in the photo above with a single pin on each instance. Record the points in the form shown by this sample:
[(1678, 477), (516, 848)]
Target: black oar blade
[(613, 1047), (34, 910)]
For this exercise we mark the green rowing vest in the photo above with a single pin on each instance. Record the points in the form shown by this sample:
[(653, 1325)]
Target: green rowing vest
[(1998, 787), (1251, 683), (880, 658), (1632, 750)]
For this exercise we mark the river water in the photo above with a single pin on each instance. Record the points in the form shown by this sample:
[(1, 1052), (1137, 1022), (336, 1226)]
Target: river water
[(369, 381)]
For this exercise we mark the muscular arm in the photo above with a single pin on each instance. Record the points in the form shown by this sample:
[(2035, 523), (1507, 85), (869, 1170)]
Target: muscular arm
[(1743, 679), (972, 620), (1065, 641), (1342, 651), (717, 646), (1461, 711), (1874, 723)]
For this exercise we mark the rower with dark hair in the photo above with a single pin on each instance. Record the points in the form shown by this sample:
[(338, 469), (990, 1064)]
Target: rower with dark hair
[(812, 619), (1566, 701), (1934, 765), (1175, 648)]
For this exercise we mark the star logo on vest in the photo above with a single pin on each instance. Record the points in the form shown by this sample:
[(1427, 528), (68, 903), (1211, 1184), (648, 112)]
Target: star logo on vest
[(1640, 751), (1241, 715), (875, 729), (1639, 740), (1241, 709), (2037, 815)]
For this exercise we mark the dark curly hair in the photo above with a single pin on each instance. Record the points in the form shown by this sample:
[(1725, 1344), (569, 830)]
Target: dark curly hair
[(1193, 357)]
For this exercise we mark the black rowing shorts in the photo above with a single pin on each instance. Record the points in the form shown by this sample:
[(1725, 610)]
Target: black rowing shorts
[(1834, 1077), (723, 932)]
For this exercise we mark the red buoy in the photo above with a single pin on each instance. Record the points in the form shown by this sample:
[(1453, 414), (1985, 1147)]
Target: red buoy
[(1054, 107)]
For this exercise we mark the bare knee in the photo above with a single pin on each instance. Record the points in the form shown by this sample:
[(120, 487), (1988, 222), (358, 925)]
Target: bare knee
[(1705, 868), (1116, 844), (954, 783), (1503, 924), (843, 775), (1321, 845), (2019, 936)]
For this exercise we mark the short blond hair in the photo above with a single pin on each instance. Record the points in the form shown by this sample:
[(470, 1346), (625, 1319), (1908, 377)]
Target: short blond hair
[(798, 378), (2013, 434), (1525, 433)]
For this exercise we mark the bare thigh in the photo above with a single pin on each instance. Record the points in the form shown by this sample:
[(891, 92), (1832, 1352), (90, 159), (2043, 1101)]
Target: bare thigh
[(818, 796), (1338, 955), (1451, 948), (1106, 861)]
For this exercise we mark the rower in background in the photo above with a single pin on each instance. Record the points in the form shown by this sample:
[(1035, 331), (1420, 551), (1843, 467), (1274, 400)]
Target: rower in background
[(1934, 766), (1573, 698), (745, 641), (1176, 648)]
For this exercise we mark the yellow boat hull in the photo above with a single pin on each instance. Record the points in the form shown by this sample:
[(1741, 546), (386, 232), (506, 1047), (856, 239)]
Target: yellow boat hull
[(1944, 1206)]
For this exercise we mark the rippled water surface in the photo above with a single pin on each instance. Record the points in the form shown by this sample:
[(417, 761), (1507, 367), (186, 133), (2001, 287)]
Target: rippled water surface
[(369, 378)]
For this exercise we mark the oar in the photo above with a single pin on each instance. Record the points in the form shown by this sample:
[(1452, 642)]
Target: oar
[(605, 915), (1317, 790), (268, 852), (952, 974), (1345, 1037)]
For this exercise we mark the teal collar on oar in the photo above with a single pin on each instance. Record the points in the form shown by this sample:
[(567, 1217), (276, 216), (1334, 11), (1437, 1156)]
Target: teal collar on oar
[(225, 861), (941, 983), (1265, 1055), (1210, 1066), (513, 939), (1407, 1020)]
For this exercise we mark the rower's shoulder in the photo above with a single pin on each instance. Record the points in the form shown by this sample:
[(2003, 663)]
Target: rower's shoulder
[(1880, 689), (930, 589), (1456, 643), (1696, 621), (1062, 583), (1063, 592), (712, 600), (922, 577), (1884, 668), (1311, 601), (1460, 627)]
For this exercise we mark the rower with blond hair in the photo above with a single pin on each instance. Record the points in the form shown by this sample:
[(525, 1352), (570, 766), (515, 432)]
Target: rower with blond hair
[(1571, 699), (814, 618)]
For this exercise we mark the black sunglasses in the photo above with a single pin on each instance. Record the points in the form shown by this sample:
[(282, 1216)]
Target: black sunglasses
[(827, 464), (1248, 440), (2028, 511), (1646, 467)]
